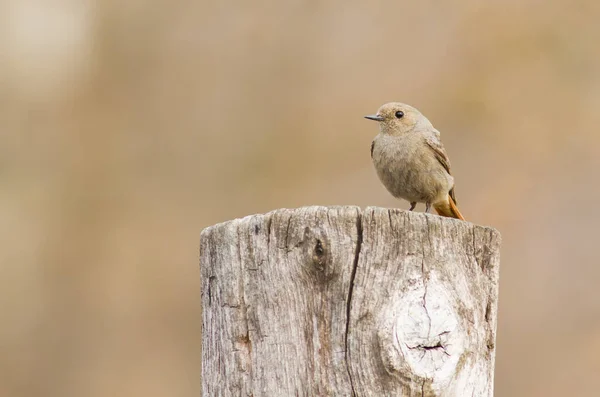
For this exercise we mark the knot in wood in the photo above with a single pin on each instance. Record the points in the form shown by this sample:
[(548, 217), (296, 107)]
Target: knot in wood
[(319, 264), (319, 257), (421, 333)]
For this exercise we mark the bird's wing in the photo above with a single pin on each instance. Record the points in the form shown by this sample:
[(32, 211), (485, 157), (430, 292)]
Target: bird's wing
[(372, 147), (440, 154)]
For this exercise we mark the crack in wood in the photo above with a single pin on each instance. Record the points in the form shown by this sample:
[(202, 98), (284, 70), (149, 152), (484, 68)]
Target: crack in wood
[(359, 240)]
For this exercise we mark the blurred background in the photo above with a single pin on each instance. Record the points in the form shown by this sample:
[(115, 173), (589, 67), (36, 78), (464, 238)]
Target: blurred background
[(128, 127)]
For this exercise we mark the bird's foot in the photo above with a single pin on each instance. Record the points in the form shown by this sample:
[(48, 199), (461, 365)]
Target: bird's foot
[(427, 207), (413, 205)]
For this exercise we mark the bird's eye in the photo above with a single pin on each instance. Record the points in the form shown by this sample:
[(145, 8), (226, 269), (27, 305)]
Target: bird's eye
[(399, 114)]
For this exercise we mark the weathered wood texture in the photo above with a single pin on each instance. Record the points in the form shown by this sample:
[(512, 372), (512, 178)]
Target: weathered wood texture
[(339, 302)]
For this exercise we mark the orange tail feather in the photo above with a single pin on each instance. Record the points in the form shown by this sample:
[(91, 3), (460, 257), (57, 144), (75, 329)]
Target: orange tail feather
[(448, 209)]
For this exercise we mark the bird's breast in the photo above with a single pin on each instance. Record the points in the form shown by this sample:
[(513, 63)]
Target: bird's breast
[(408, 169)]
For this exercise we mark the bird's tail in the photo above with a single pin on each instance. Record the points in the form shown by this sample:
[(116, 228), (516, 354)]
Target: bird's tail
[(448, 208)]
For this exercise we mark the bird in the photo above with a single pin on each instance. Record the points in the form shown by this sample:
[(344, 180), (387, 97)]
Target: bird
[(411, 161)]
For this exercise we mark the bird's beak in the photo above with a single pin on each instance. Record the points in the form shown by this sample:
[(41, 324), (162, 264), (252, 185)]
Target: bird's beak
[(375, 117)]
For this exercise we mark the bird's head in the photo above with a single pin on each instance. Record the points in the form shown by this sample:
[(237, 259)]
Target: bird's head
[(397, 118)]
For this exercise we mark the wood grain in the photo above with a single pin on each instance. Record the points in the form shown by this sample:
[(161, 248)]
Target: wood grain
[(331, 301)]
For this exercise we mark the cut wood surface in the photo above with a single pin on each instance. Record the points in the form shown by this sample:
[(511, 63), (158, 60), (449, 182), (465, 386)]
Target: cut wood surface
[(335, 301)]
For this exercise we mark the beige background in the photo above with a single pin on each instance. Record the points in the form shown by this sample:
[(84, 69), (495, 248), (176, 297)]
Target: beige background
[(128, 126)]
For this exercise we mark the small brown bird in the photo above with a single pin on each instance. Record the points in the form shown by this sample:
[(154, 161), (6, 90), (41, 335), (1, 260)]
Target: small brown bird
[(410, 160)]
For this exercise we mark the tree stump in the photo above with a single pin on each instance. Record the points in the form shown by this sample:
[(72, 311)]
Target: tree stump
[(334, 301)]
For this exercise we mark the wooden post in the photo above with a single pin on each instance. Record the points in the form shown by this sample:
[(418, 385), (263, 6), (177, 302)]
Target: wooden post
[(334, 301)]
